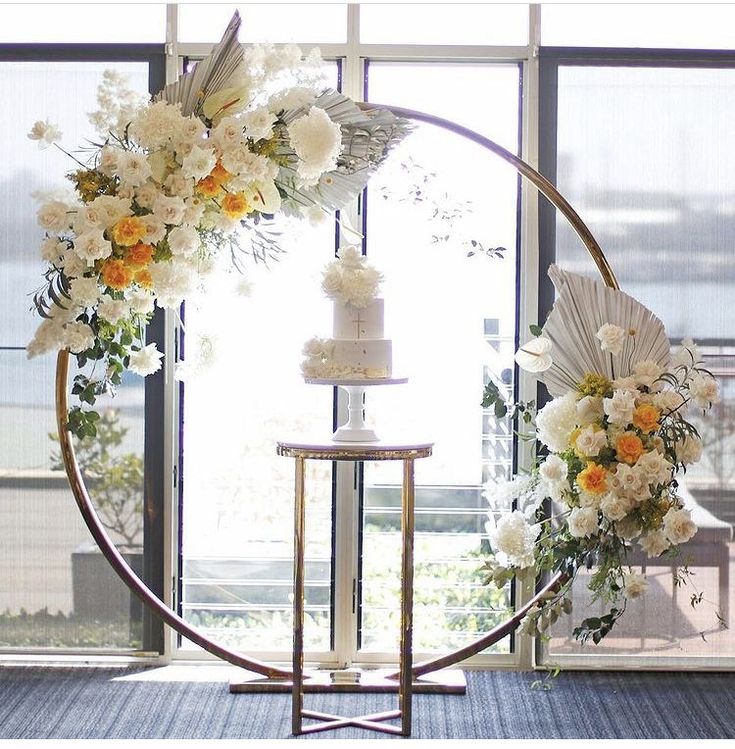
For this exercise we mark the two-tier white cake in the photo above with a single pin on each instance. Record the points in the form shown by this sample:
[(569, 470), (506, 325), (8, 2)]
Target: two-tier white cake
[(357, 349)]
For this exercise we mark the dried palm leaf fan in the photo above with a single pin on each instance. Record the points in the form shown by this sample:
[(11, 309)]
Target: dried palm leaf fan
[(581, 309)]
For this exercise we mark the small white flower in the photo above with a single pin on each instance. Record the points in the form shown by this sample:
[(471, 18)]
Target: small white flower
[(535, 356), (634, 585), (45, 133), (582, 522), (146, 361), (679, 526), (612, 338)]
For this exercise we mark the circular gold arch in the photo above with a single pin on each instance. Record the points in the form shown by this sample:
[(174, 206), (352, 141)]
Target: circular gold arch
[(159, 607)]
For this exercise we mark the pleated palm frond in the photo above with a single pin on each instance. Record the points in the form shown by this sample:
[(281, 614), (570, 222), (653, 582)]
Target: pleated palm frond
[(583, 306), (210, 76), (368, 135)]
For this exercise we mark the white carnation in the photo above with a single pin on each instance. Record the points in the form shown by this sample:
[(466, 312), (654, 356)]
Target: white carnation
[(113, 310), (689, 450), (317, 142), (172, 282), (52, 250), (612, 338), (84, 292), (704, 390), (141, 302), (556, 421), (513, 540), (146, 361), (78, 337)]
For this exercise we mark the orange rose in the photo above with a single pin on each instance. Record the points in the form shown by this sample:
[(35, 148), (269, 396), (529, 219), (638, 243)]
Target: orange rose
[(628, 448), (209, 187), (128, 231), (116, 274), (139, 255), (235, 205), (646, 417), (593, 479)]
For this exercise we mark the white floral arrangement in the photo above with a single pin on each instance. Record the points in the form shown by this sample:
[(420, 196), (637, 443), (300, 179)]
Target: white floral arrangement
[(614, 448), (175, 183), (350, 279)]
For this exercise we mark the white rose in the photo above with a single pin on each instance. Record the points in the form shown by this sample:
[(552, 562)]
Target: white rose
[(679, 526), (614, 507), (634, 585), (184, 241), (228, 134), (155, 229), (72, 264), (92, 246), (198, 163), (619, 409), (590, 441), (655, 467), (668, 401), (612, 338), (170, 210), (146, 194), (178, 184), (54, 217), (582, 522), (193, 211), (553, 469), (654, 543)]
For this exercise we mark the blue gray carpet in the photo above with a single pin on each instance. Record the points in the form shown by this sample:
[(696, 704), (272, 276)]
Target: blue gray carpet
[(92, 703)]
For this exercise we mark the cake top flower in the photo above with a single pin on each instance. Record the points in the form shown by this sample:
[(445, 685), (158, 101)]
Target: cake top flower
[(350, 279)]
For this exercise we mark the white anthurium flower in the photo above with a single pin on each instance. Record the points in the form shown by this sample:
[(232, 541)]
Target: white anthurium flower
[(535, 356), (264, 197)]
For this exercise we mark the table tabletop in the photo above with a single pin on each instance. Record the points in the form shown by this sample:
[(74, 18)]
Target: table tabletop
[(327, 449)]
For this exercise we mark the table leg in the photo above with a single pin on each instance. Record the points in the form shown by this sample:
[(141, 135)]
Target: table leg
[(297, 689), (407, 533)]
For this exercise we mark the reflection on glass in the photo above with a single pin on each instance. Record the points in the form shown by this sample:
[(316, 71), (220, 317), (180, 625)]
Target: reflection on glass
[(56, 589), (451, 316), (656, 190)]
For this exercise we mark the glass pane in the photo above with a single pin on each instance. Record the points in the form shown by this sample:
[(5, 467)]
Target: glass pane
[(33, 23), (452, 320), (443, 23), (685, 25), (307, 23), (238, 495), (657, 193), (56, 589)]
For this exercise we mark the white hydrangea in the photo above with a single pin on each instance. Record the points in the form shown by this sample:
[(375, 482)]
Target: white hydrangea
[(317, 141), (513, 540), (556, 421), (292, 98), (146, 361)]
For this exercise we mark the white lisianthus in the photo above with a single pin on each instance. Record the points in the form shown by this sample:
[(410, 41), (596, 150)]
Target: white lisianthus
[(704, 390), (679, 526), (54, 217), (147, 361), (133, 168), (589, 410), (259, 123), (612, 338), (535, 356), (78, 337), (198, 163), (141, 302), (92, 246), (170, 210), (654, 543), (317, 141), (556, 421), (48, 337), (113, 310), (619, 409), (582, 521), (634, 585), (646, 373), (84, 292), (45, 133), (184, 241), (590, 441), (513, 540), (689, 450)]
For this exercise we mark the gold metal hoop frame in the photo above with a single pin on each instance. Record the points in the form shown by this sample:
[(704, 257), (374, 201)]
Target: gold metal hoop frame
[(168, 616)]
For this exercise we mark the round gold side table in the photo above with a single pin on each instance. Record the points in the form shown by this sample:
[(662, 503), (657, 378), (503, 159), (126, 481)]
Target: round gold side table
[(408, 452)]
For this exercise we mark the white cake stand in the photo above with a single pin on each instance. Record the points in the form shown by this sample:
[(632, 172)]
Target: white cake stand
[(355, 429)]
